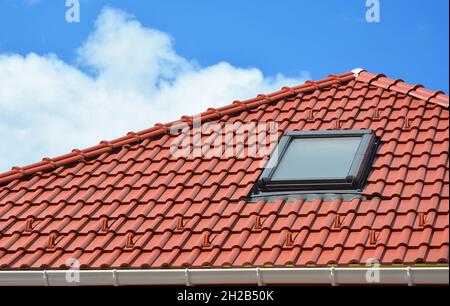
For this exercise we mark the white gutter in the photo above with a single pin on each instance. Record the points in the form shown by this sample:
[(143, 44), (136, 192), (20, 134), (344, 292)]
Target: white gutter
[(252, 276)]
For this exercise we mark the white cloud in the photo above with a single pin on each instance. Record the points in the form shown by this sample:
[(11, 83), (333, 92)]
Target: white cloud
[(48, 107)]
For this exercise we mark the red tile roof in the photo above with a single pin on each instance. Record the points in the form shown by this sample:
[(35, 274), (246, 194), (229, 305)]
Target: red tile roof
[(128, 203)]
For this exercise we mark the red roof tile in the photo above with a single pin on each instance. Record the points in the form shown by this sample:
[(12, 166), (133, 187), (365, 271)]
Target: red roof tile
[(130, 203)]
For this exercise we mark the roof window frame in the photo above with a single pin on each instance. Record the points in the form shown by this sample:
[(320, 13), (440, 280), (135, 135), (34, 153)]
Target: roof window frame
[(354, 180)]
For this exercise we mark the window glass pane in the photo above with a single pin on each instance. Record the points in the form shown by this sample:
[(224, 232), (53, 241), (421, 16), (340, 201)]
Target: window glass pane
[(317, 158)]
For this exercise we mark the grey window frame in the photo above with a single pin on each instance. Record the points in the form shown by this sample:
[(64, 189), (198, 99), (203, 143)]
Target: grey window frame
[(354, 180)]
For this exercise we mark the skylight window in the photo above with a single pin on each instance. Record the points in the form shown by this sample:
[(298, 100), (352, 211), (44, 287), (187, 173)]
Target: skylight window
[(319, 160)]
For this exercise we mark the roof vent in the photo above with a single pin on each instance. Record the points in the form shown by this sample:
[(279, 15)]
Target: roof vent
[(422, 219), (337, 221), (51, 241), (373, 237), (258, 223), (376, 113), (206, 242), (337, 124), (407, 124), (180, 224), (104, 224), (289, 239), (29, 224), (129, 243), (310, 115)]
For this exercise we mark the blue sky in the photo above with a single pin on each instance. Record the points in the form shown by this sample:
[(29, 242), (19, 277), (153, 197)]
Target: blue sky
[(322, 37), (129, 64)]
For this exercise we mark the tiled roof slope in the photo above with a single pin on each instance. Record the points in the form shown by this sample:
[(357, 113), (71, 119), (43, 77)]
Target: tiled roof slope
[(129, 203)]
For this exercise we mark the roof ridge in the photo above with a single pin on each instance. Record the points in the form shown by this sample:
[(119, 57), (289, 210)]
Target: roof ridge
[(416, 91), (161, 129)]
